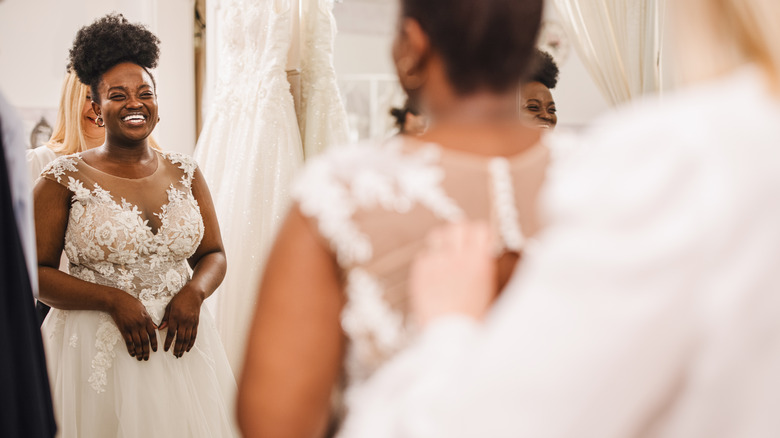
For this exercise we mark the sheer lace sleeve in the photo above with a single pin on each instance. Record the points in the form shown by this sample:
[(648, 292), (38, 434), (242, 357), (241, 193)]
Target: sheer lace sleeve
[(186, 163), (61, 169), (333, 188)]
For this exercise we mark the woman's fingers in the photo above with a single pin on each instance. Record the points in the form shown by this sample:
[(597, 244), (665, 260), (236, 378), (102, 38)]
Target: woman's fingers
[(183, 343), (151, 330), (193, 337), (137, 345), (129, 344), (144, 345), (169, 337)]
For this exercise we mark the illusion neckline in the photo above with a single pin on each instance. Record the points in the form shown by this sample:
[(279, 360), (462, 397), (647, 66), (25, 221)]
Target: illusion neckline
[(156, 170)]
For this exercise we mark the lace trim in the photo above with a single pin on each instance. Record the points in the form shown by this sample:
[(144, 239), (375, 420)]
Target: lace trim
[(504, 204), (334, 188), (58, 167), (186, 164), (58, 318), (374, 329), (106, 339)]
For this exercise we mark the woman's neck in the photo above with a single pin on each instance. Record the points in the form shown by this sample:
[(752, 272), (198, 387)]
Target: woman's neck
[(127, 153), (475, 109)]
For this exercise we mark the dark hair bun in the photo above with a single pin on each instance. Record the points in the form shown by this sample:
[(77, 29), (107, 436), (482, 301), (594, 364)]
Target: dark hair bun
[(485, 44), (546, 70), (109, 41)]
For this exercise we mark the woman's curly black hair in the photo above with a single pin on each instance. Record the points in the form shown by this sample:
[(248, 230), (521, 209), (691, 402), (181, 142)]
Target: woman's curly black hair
[(107, 42), (546, 70)]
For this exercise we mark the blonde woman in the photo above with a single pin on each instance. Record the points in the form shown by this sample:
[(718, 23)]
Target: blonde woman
[(75, 129), (649, 305)]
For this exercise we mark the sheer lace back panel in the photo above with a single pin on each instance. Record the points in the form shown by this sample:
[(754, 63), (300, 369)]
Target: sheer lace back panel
[(133, 234), (375, 205)]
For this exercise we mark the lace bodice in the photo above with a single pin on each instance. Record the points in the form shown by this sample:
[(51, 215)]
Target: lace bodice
[(374, 204), (132, 234)]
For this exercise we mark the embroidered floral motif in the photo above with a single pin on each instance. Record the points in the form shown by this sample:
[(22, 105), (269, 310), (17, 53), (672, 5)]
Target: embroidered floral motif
[(105, 339), (57, 318), (375, 331), (105, 234), (332, 189), (109, 243), (186, 163), (345, 181), (77, 211), (58, 167)]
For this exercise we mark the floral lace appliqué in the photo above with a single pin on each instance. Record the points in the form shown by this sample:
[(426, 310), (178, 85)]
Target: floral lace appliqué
[(374, 329), (348, 179), (60, 166), (106, 338), (108, 242)]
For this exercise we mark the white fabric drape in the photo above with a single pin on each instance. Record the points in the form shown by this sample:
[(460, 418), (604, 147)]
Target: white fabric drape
[(620, 43), (249, 152), (251, 146), (322, 117)]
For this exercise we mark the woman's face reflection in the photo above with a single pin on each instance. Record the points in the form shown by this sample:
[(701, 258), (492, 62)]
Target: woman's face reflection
[(538, 106)]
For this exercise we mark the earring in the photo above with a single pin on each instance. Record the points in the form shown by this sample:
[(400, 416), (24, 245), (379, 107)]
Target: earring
[(99, 122), (409, 80)]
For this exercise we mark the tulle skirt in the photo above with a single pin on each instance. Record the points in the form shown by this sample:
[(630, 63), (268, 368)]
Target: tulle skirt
[(100, 391)]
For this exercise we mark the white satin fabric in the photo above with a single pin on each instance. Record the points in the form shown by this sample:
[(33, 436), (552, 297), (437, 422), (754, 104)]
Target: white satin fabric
[(249, 151), (649, 307)]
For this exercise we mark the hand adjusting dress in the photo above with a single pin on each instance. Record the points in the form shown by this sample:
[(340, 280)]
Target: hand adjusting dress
[(134, 235)]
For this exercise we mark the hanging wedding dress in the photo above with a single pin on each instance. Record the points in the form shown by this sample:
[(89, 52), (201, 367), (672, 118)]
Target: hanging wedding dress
[(249, 151), (322, 117)]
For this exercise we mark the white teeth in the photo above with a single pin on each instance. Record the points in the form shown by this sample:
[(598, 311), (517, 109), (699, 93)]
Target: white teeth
[(133, 117)]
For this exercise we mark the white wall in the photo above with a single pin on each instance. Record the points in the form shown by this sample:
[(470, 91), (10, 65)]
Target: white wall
[(35, 36)]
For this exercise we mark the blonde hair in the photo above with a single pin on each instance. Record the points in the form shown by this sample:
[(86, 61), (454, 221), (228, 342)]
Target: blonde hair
[(721, 35), (68, 134)]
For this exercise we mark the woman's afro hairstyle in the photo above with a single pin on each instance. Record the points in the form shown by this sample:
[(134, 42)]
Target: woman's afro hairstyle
[(109, 41), (546, 70), (485, 44)]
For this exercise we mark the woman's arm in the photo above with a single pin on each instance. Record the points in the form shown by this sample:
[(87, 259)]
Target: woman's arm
[(295, 347), (208, 269), (62, 291)]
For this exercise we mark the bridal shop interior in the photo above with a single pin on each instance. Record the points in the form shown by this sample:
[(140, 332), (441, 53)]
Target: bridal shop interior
[(324, 218), (361, 57), (351, 56)]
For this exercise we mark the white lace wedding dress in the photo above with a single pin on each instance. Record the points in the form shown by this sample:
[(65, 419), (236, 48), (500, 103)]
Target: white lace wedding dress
[(249, 150), (113, 239)]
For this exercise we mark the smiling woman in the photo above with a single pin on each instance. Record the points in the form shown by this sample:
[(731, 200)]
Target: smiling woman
[(130, 219), (538, 105)]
